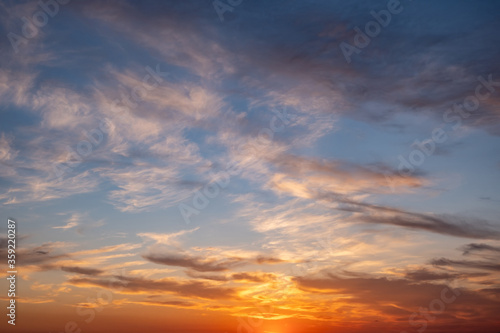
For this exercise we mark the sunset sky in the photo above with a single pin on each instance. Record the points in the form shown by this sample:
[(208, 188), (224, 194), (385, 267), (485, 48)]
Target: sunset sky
[(251, 166)]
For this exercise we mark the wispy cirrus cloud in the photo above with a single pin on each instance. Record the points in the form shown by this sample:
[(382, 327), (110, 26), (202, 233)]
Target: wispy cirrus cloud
[(167, 239), (475, 248), (72, 222)]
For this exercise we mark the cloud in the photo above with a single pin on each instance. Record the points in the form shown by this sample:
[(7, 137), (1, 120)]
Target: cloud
[(224, 84), (306, 74), (72, 222), (106, 249), (424, 274), (224, 262), (196, 263), (474, 248), (42, 256), (81, 270), (441, 224), (168, 285), (32, 300), (213, 277), (268, 260), (305, 176), (143, 188), (56, 256), (6, 152), (34, 188), (481, 265), (176, 304), (370, 294), (165, 238), (63, 109), (344, 185), (254, 277)]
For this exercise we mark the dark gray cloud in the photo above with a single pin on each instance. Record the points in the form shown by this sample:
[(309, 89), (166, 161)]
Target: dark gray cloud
[(41, 256), (196, 263), (81, 270), (377, 292), (474, 248), (169, 285), (424, 274), (201, 264), (481, 265)]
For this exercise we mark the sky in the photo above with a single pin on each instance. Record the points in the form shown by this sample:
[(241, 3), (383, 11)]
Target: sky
[(250, 166)]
